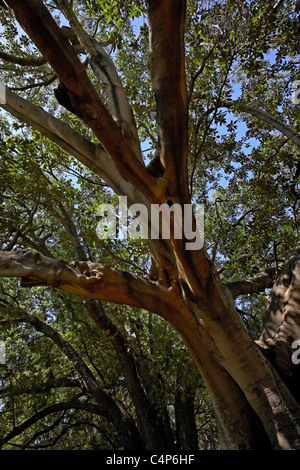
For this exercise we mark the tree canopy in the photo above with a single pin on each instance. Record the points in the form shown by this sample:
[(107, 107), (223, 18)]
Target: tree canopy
[(133, 343)]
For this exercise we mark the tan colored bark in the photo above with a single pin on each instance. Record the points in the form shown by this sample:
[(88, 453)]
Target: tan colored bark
[(281, 323), (106, 405), (167, 68), (37, 21)]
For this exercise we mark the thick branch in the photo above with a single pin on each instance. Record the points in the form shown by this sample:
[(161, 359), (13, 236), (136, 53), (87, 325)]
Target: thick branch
[(67, 405), (252, 286), (26, 61), (167, 68), (273, 121), (89, 280), (34, 17)]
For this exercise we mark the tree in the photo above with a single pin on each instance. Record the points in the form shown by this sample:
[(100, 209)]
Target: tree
[(196, 54)]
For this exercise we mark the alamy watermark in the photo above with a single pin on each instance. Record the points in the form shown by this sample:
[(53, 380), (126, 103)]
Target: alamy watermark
[(296, 354), (164, 221), (296, 95), (2, 93), (2, 353)]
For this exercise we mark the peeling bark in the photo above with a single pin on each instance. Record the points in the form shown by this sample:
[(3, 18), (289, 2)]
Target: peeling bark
[(281, 323)]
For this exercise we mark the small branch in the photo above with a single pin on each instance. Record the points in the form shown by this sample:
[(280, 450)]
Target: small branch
[(107, 405), (67, 405), (253, 286), (91, 155), (209, 123), (26, 61), (35, 85), (72, 231), (273, 121), (143, 407), (51, 127)]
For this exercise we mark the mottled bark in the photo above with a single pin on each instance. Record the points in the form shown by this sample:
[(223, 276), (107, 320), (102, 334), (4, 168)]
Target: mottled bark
[(281, 323)]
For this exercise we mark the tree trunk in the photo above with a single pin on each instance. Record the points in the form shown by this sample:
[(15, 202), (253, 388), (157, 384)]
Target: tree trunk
[(252, 401), (186, 431), (281, 323)]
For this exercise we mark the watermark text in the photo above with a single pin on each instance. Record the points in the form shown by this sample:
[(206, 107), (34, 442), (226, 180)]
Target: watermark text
[(160, 221), (2, 353), (2, 93), (296, 95)]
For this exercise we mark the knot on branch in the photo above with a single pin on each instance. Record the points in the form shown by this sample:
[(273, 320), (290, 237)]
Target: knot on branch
[(86, 271)]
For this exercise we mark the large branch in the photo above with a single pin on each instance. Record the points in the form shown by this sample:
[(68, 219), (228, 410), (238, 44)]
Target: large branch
[(109, 80), (36, 20), (91, 155), (74, 403), (273, 121), (89, 280), (24, 61), (252, 286), (167, 68)]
